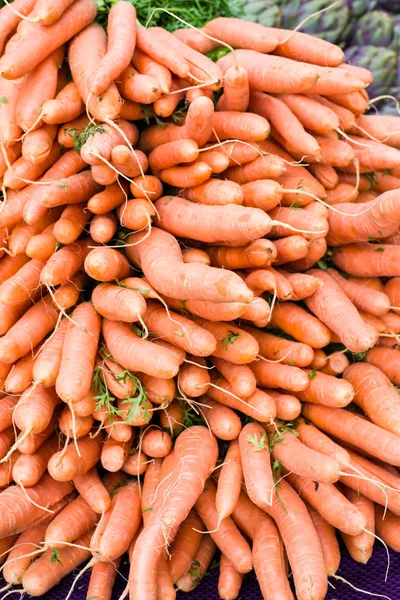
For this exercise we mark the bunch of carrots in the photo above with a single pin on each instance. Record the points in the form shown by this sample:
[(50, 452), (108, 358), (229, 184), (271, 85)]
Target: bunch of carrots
[(199, 305)]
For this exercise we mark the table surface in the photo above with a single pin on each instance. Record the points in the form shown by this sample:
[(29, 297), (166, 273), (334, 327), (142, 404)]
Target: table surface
[(369, 577)]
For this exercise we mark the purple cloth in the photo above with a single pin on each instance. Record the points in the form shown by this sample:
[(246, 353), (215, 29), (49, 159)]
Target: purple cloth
[(369, 577)]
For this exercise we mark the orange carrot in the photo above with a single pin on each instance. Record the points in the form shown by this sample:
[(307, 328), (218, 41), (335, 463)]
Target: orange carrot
[(173, 153), (316, 250), (229, 482), (255, 458), (107, 200), (260, 253), (215, 191), (240, 377), (223, 421), (67, 465), (29, 468), (236, 90), (147, 66), (93, 491), (20, 376), (185, 546), (199, 566), (278, 375), (360, 546), (305, 328), (288, 407), (328, 541), (195, 281), (346, 323), (106, 264), (84, 331), (190, 255)]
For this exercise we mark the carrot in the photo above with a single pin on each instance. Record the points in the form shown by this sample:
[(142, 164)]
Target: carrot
[(17, 563), (47, 15), (7, 405), (179, 280), (69, 130), (223, 421), (323, 389), (37, 144), (68, 294), (336, 365), (103, 227), (28, 331), (101, 143), (328, 541), (285, 122), (229, 482), (6, 441), (240, 377), (143, 187), (185, 546), (158, 389), (314, 226), (303, 285), (34, 411), (136, 214), (23, 169), (196, 255), (69, 164), (331, 504), (387, 526), (181, 217), (354, 430), (102, 580), (249, 126), (326, 175), (106, 105), (272, 74), (121, 30), (107, 200), (86, 406), (199, 566), (264, 167), (72, 522), (149, 42), (20, 375), (93, 491), (166, 105), (303, 549), (227, 537), (137, 87), (367, 260), (236, 90), (28, 52), (72, 425), (147, 66), (66, 106), (288, 407), (123, 344), (311, 114), (375, 302), (169, 511), (192, 175), (136, 464), (230, 580), (106, 264), (360, 546), (127, 162), (118, 303), (196, 40), (33, 441), (39, 85), (299, 459), (156, 443), (254, 454), (194, 378), (241, 35), (74, 378), (198, 127), (46, 492), (173, 153), (315, 439), (67, 465), (71, 223), (215, 191), (278, 375), (367, 391), (305, 328), (291, 248), (70, 190), (39, 578), (260, 253), (347, 323), (21, 285), (233, 344), (114, 454)]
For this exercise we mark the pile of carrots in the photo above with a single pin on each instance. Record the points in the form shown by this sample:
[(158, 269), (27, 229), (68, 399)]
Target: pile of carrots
[(199, 305)]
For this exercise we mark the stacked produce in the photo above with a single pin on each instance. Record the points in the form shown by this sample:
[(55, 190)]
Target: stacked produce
[(199, 300)]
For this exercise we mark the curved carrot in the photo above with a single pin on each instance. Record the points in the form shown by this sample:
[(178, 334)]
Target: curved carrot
[(93, 491), (328, 541)]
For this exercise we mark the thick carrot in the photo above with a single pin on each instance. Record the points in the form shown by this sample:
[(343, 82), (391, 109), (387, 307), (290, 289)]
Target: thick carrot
[(240, 377), (233, 344), (355, 430), (193, 378), (367, 260), (303, 285), (124, 347), (315, 439), (326, 390), (103, 227), (136, 214), (67, 106), (236, 90), (288, 407), (17, 563), (121, 31), (255, 458), (215, 191), (67, 465), (28, 331), (37, 144), (332, 307), (107, 200), (10, 18), (312, 226), (181, 217), (291, 248), (84, 64), (106, 264), (223, 421), (156, 443), (276, 348), (331, 504), (311, 114), (74, 378), (375, 302), (46, 493), (72, 522), (23, 284), (28, 51), (118, 303), (276, 375), (147, 66), (303, 461), (336, 365), (33, 441), (72, 425), (229, 581), (272, 74), (192, 175), (263, 167), (387, 527), (185, 546), (249, 126), (175, 279), (199, 566), (93, 491), (305, 328), (101, 143), (39, 578), (194, 447), (70, 190), (137, 87), (23, 169), (328, 541), (148, 42), (173, 153), (39, 85)]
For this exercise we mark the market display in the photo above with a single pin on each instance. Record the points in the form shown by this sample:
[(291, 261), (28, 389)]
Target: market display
[(199, 305)]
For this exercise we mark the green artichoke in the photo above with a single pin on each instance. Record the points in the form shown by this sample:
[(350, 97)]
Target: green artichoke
[(329, 25), (381, 61), (265, 12), (375, 28)]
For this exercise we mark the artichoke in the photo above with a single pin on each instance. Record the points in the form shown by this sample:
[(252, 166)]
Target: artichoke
[(329, 25), (375, 28), (381, 61), (265, 12)]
